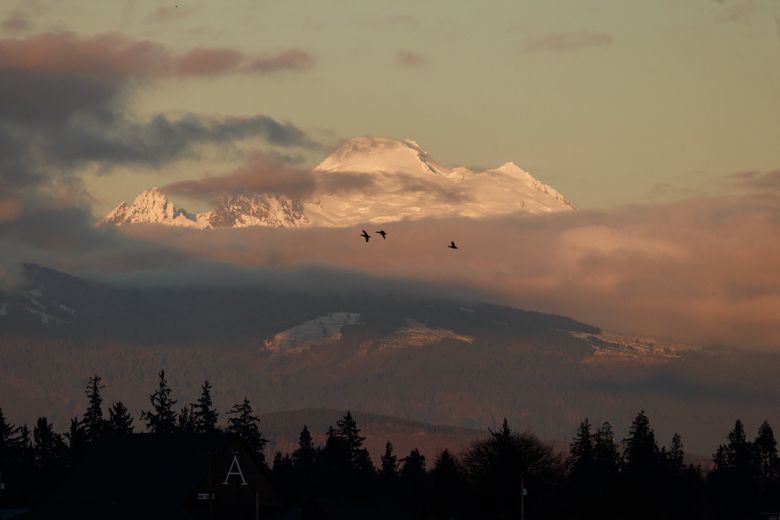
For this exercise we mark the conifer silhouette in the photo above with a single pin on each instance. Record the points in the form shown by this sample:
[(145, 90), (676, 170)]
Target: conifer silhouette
[(161, 418)]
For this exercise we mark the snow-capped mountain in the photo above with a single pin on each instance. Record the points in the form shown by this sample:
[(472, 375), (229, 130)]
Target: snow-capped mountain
[(151, 207), (395, 180)]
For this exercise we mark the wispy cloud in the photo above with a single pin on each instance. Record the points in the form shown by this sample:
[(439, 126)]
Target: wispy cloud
[(757, 181), (170, 13), (568, 41), (291, 59), (739, 11), (118, 56), (409, 59)]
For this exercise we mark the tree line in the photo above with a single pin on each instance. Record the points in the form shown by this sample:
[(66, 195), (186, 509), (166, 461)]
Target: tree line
[(496, 477)]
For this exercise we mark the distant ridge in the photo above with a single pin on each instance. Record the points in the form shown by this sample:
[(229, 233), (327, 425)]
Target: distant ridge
[(282, 430)]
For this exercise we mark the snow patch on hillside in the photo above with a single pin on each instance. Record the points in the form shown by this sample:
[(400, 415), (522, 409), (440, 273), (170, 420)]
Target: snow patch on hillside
[(617, 348), (314, 333)]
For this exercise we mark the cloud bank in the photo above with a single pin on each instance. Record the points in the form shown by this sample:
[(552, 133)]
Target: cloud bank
[(701, 270)]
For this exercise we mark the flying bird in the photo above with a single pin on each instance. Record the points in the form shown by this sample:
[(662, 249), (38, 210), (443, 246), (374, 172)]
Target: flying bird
[(365, 235), (383, 233), (452, 245)]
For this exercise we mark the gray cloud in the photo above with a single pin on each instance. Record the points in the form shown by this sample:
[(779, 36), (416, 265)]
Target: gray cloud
[(17, 23), (264, 175)]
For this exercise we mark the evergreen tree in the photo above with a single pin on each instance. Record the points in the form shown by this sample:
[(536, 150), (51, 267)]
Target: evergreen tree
[(448, 486), (605, 452), (412, 472), (245, 424), (349, 434), (303, 457), (77, 437), (119, 419), (641, 453), (9, 435), (206, 417), (389, 465), (185, 420), (734, 480), (582, 470), (162, 417), (676, 456), (582, 457), (48, 446), (766, 451), (737, 454), (93, 422)]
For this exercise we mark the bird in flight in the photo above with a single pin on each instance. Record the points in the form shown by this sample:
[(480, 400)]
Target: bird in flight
[(383, 233), (365, 235), (452, 245)]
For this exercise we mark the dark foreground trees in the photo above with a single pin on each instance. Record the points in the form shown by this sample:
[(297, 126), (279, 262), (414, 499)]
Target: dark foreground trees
[(504, 475)]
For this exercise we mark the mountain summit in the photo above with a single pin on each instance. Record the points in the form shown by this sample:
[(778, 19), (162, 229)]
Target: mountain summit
[(395, 180)]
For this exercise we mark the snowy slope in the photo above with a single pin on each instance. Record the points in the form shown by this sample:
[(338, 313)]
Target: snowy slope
[(405, 183)]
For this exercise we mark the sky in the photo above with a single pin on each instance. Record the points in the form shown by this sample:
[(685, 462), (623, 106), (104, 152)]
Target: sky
[(610, 102), (659, 120)]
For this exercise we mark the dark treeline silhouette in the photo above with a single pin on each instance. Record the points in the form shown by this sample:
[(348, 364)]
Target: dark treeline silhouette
[(505, 475)]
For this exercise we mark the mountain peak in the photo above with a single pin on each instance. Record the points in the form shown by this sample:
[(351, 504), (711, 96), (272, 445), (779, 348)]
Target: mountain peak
[(150, 207), (380, 154)]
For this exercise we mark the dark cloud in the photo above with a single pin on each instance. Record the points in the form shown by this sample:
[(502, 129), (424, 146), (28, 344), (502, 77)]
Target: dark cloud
[(409, 59), (63, 106), (568, 41)]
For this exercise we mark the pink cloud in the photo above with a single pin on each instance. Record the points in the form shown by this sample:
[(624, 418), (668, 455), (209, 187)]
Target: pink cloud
[(116, 56), (701, 270), (208, 62)]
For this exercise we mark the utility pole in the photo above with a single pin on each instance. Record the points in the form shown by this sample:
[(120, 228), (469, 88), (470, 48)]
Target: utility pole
[(523, 493)]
